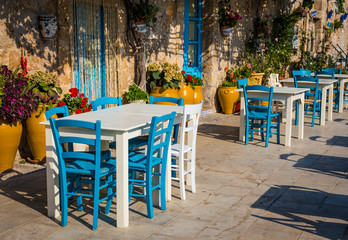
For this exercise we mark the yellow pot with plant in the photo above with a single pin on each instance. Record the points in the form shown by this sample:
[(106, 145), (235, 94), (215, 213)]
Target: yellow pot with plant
[(165, 80), (16, 105), (45, 89)]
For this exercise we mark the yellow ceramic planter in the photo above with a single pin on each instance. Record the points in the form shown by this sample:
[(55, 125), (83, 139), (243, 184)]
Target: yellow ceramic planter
[(228, 99), (257, 78), (197, 95), (36, 134), (10, 137), (160, 92), (186, 92)]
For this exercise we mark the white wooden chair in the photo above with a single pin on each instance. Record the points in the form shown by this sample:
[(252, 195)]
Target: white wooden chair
[(274, 82), (184, 152)]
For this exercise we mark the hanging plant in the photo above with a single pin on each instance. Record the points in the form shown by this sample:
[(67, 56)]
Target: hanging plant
[(307, 4), (227, 18), (340, 5), (145, 12)]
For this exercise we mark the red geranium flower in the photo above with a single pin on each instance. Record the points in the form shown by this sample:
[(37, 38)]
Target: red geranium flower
[(183, 72), (83, 103), (189, 77), (61, 103), (82, 95), (78, 111), (74, 92), (87, 110)]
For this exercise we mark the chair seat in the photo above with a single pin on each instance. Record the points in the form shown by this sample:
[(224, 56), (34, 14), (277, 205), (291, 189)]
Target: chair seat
[(138, 161), (310, 101), (133, 143), (261, 115), (84, 167), (176, 149)]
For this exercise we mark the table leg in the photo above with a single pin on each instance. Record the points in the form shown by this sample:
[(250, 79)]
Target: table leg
[(242, 119), (342, 83), (301, 117), (122, 180), (323, 106), (330, 107), (288, 104), (169, 176), (52, 175)]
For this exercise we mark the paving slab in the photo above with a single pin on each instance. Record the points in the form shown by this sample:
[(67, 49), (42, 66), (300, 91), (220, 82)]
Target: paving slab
[(243, 192)]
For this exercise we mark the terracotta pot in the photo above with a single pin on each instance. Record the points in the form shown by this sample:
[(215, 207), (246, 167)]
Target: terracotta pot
[(36, 134), (186, 92), (160, 92), (10, 137), (257, 78), (226, 31), (228, 99), (197, 95)]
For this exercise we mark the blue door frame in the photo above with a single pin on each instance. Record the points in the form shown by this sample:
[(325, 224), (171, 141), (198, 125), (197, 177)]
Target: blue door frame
[(193, 38), (93, 80)]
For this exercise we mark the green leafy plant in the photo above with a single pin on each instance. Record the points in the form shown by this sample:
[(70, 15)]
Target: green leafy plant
[(233, 74), (226, 16), (337, 24), (135, 93), (45, 89), (166, 75), (145, 12), (192, 80), (340, 5), (307, 4)]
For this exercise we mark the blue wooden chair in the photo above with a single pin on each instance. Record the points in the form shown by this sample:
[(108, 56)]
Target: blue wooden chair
[(336, 89), (312, 97), (103, 101), (90, 167), (301, 73), (243, 82), (154, 162), (57, 110), (177, 101), (258, 117)]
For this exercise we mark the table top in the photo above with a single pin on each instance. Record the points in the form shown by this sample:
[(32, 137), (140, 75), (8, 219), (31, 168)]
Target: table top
[(337, 76), (282, 90), (125, 117), (321, 81)]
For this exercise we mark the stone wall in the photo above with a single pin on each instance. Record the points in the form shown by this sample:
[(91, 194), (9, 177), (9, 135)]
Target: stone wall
[(163, 42)]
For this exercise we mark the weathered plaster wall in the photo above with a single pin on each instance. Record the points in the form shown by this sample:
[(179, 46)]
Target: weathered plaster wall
[(19, 28)]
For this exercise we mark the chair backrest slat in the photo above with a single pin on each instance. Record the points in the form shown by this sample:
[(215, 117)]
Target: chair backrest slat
[(160, 143), (178, 101), (301, 73), (243, 82), (334, 70), (92, 139), (57, 110), (257, 107), (103, 101), (325, 74)]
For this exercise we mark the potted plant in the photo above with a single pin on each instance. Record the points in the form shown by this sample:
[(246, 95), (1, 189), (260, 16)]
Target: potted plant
[(307, 4), (228, 97), (16, 105), (227, 18), (76, 103), (45, 90), (136, 94), (186, 90), (197, 90), (164, 80), (144, 14)]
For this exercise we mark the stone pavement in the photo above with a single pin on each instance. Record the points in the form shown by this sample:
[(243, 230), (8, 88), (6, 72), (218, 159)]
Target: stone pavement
[(243, 192)]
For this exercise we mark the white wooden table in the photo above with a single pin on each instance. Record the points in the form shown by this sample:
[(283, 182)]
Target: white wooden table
[(118, 124), (288, 96), (342, 79), (324, 85)]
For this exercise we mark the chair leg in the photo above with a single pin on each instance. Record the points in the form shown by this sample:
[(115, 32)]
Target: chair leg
[(296, 114), (268, 131), (149, 202), (252, 130), (278, 129), (79, 190), (262, 131), (193, 171), (246, 131), (109, 191), (95, 203), (182, 177), (163, 190), (313, 114)]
